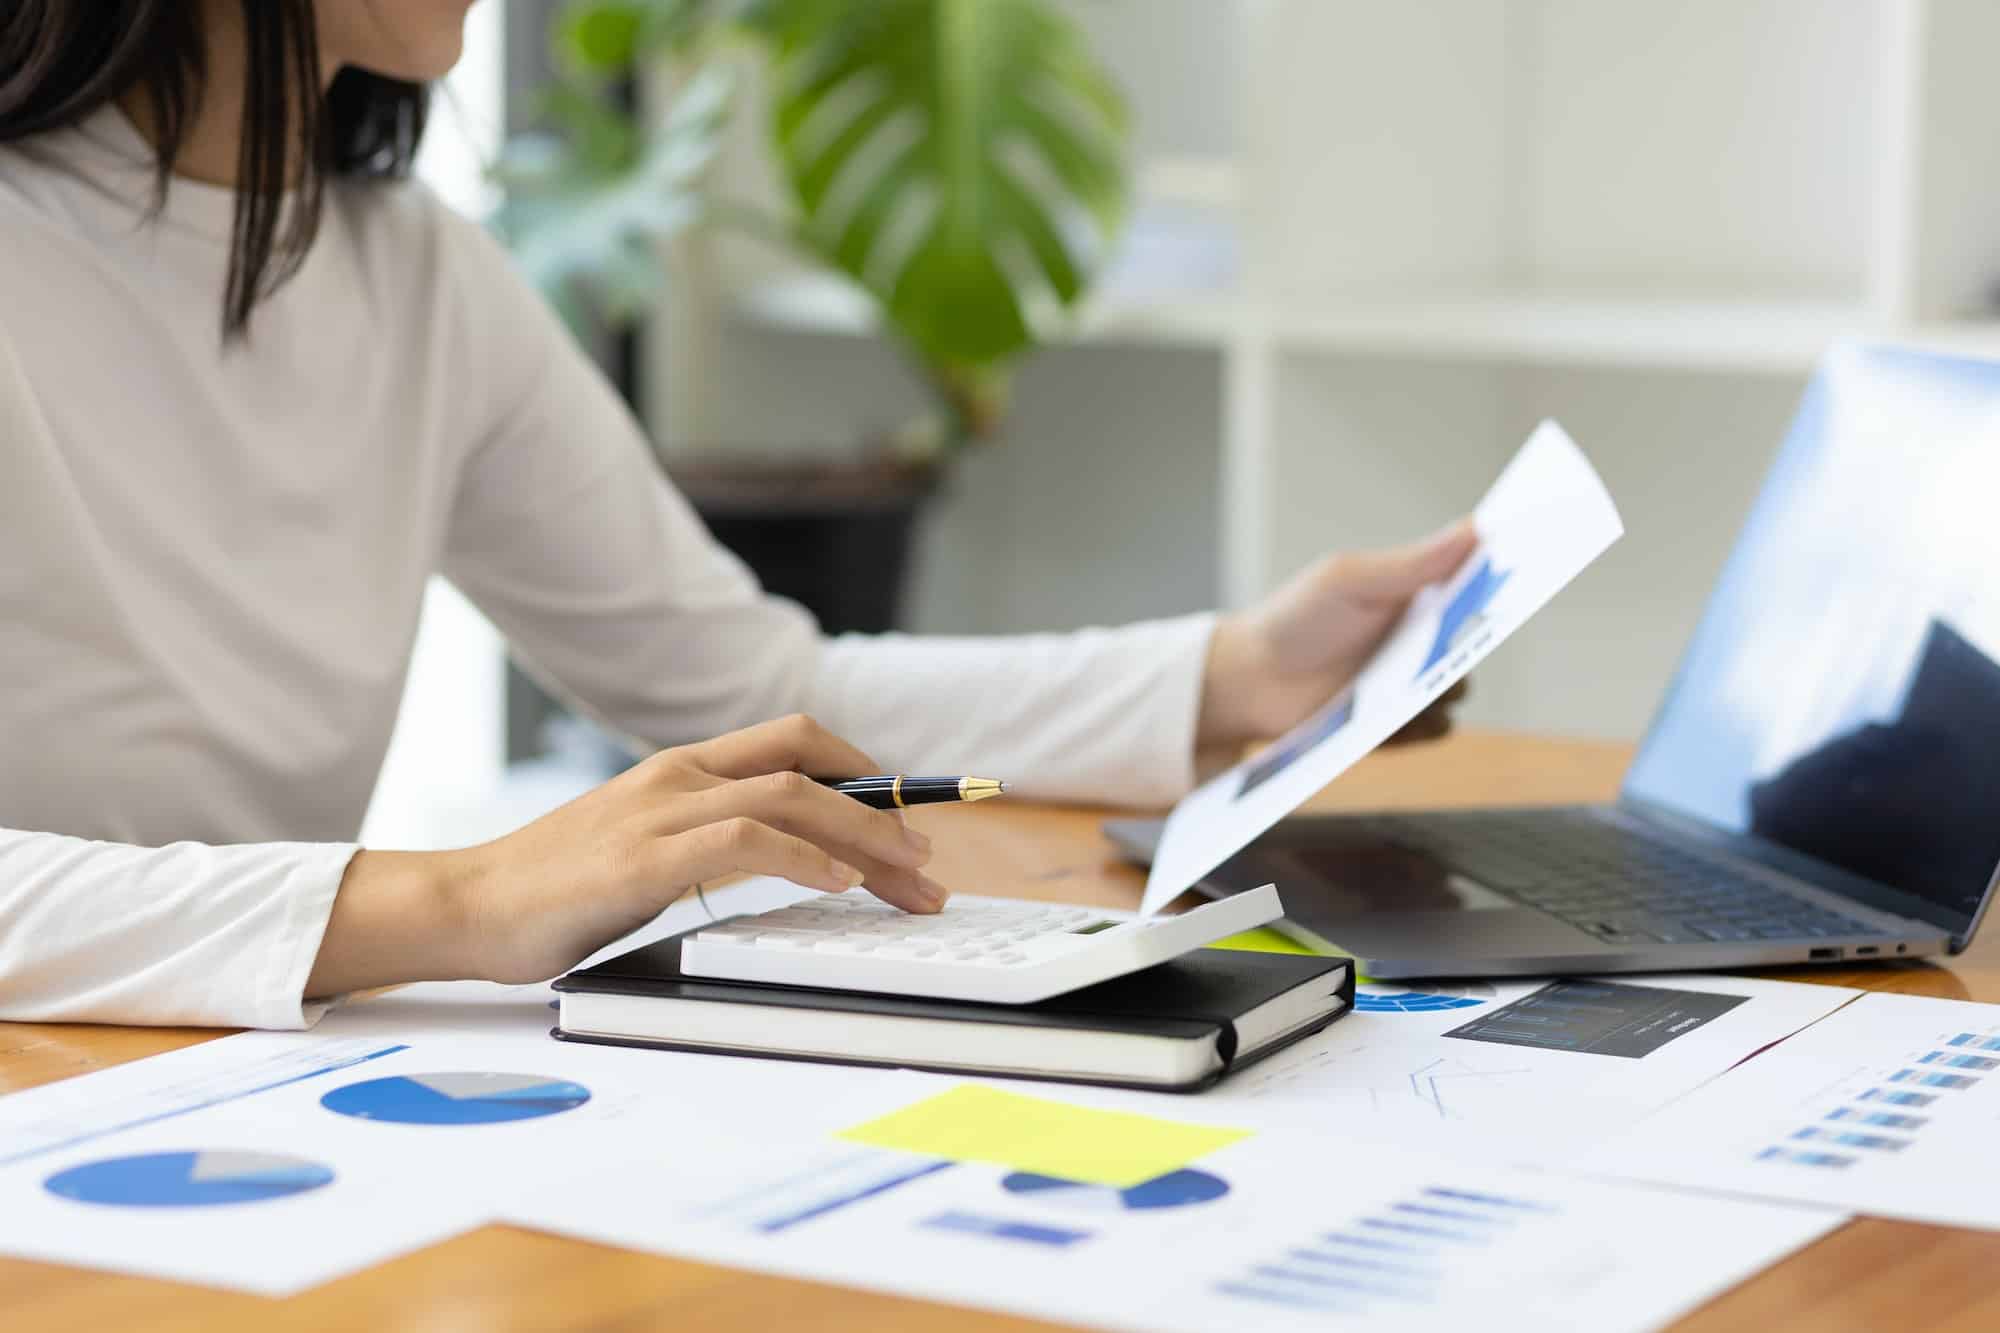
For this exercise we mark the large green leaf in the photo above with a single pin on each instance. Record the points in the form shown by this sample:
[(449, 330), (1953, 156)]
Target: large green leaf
[(961, 159)]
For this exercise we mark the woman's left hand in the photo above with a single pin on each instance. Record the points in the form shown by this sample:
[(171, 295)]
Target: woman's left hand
[(1272, 665)]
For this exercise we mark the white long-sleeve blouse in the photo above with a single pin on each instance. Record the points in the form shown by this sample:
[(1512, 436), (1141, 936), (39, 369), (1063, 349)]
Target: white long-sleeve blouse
[(212, 558)]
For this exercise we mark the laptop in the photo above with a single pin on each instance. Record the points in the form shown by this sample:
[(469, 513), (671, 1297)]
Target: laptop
[(1822, 781)]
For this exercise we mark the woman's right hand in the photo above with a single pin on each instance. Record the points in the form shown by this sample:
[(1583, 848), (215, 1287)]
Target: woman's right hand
[(536, 902)]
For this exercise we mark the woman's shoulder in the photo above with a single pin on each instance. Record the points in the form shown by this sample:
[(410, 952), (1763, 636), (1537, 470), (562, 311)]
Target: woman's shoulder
[(406, 229), (405, 217), (428, 266), (53, 227)]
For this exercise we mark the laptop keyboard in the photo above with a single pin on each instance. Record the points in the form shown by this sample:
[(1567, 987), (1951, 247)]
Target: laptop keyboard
[(1622, 885)]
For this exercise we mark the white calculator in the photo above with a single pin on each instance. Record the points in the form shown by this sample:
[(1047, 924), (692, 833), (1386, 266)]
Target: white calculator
[(997, 950)]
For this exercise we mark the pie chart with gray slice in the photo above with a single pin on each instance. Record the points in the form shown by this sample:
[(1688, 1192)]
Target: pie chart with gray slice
[(198, 1179), (1421, 999), (456, 1098)]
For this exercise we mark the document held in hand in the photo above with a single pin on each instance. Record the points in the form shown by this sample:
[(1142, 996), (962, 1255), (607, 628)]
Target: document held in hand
[(1542, 523)]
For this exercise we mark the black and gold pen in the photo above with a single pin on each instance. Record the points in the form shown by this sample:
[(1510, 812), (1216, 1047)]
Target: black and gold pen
[(893, 791)]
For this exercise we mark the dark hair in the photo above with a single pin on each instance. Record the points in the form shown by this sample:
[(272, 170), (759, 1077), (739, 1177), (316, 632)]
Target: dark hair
[(62, 60)]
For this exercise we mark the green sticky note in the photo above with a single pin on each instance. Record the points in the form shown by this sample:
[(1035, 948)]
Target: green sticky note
[(974, 1123)]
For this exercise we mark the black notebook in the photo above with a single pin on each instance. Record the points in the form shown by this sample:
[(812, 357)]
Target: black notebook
[(1176, 1027)]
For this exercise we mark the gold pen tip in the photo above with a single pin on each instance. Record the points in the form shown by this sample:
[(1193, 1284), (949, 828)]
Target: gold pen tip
[(979, 789)]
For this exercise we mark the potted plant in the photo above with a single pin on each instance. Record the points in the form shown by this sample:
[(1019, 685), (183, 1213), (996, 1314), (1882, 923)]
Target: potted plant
[(960, 161)]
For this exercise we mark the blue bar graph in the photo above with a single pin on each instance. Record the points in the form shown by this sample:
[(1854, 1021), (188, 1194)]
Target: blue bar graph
[(1375, 1243), (1000, 1228), (841, 1198), (1395, 1258), (1432, 1233), (1851, 1139), (1956, 1082), (1805, 1157), (1983, 1063), (1975, 1041), (1490, 1200), (1292, 1298), (813, 1188), (1431, 1211), (1360, 1286), (1884, 1119), (1364, 1262)]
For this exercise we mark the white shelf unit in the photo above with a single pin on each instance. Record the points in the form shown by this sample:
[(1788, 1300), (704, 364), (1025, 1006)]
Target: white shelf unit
[(1448, 218)]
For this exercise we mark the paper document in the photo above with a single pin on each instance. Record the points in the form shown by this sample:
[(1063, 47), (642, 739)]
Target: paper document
[(1526, 1072), (1273, 1231), (269, 1162), (1887, 1107), (303, 1181), (1542, 523), (205, 1165)]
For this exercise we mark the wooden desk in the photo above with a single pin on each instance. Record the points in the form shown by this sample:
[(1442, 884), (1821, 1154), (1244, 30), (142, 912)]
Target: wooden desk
[(1869, 1275)]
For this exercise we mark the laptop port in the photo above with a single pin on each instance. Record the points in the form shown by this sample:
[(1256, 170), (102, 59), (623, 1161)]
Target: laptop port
[(1824, 953), (1865, 950)]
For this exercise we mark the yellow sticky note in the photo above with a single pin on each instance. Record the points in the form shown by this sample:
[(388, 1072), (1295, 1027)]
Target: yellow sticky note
[(1263, 940), (1266, 940), (974, 1123)]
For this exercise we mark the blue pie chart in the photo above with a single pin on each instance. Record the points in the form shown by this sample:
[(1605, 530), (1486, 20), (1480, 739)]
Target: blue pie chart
[(188, 1179), (1421, 999), (1410, 1004), (456, 1098), (1176, 1189)]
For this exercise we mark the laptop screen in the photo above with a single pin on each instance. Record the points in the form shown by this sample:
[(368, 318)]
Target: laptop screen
[(1842, 695)]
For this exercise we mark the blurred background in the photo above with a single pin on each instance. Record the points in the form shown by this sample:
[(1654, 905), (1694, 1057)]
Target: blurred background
[(1081, 311)]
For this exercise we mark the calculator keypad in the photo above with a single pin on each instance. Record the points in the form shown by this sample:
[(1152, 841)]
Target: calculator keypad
[(857, 923)]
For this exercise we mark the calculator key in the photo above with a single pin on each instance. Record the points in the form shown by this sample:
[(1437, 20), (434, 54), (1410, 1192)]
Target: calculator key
[(845, 944), (905, 949)]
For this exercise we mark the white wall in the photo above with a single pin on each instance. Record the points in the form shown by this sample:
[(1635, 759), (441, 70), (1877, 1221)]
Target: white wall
[(1179, 62), (1716, 187), (1703, 146), (1684, 454), (1382, 451)]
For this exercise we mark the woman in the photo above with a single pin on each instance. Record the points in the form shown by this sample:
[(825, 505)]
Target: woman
[(254, 390)]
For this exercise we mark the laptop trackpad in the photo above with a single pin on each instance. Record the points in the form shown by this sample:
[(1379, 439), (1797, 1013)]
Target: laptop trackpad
[(1404, 911), (1364, 875)]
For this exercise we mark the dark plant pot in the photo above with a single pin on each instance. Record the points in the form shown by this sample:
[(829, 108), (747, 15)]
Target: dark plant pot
[(832, 536)]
